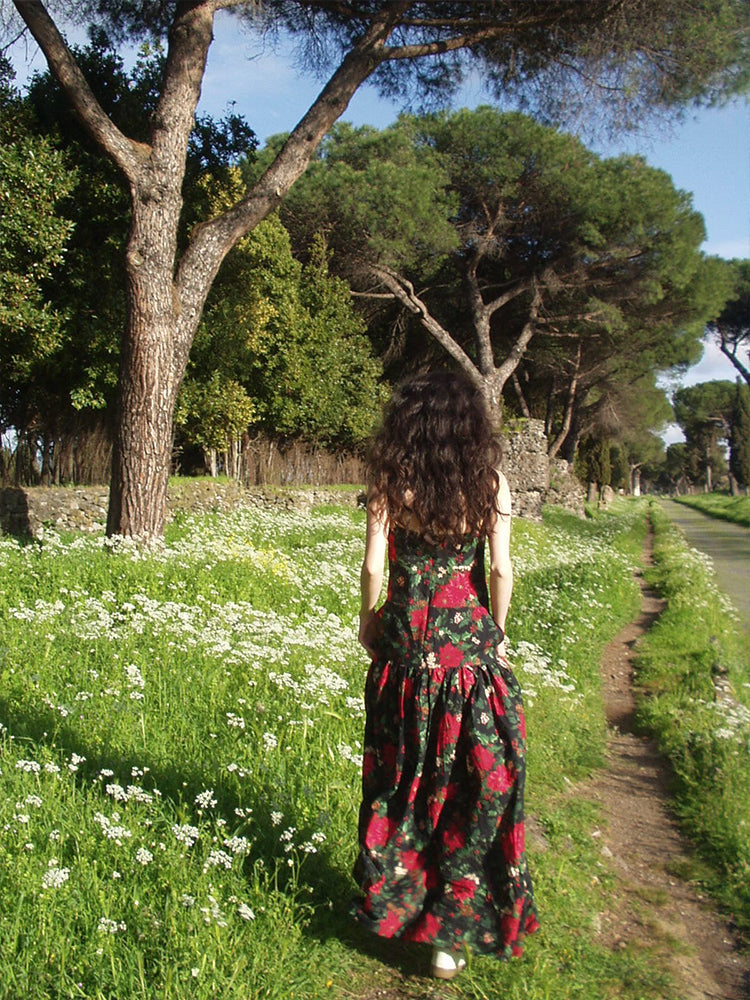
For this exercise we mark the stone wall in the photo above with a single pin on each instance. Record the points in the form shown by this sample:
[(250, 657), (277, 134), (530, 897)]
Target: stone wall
[(526, 468), (25, 511), (565, 489)]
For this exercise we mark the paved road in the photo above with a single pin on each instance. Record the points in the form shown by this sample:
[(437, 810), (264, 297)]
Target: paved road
[(727, 544)]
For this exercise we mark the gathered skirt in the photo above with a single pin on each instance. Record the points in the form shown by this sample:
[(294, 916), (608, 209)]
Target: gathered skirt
[(441, 828)]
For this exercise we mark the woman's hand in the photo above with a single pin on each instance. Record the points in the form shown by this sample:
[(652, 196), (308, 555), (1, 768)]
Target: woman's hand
[(368, 635), (501, 651)]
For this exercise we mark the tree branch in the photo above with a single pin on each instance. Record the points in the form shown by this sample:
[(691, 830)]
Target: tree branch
[(732, 355), (124, 152), (212, 240), (190, 37), (506, 297), (506, 369), (521, 398), (568, 416), (403, 290)]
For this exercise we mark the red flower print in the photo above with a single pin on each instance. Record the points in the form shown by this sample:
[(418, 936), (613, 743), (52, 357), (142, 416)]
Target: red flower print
[(377, 887), (425, 930), (391, 924), (466, 681), (435, 806), (413, 790), (501, 688), (463, 889), (454, 838), (388, 753), (379, 831), (496, 704), (391, 547), (510, 924), (412, 860), (512, 842), (450, 656), (368, 764), (443, 761), (451, 791), (454, 593), (501, 779), (450, 728), (418, 619), (482, 758), (382, 681)]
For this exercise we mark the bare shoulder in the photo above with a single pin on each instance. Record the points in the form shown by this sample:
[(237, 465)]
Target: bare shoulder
[(503, 495)]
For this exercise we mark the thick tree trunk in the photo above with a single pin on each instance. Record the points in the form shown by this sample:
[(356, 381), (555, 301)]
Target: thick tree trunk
[(143, 438)]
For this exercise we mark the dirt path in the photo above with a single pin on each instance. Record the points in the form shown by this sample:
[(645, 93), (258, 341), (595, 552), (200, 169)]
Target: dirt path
[(658, 909)]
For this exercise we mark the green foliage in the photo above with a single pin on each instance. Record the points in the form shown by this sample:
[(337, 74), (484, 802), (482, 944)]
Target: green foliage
[(34, 179), (82, 312), (290, 337), (731, 328), (559, 63), (377, 196), (705, 412), (593, 462), (212, 414), (498, 201)]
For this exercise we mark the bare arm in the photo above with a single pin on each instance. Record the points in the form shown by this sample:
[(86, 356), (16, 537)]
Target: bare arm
[(371, 577), (501, 568)]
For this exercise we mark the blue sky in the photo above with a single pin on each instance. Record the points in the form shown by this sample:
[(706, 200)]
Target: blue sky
[(708, 154)]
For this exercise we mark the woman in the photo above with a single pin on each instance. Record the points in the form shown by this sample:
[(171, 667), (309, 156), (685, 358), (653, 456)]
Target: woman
[(441, 832)]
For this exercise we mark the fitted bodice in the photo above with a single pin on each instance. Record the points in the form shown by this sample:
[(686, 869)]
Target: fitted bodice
[(442, 573), (437, 598)]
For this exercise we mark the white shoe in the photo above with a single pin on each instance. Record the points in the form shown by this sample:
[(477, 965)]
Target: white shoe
[(444, 965)]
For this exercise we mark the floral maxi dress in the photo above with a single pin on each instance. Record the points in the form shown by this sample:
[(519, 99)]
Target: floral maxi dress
[(441, 828)]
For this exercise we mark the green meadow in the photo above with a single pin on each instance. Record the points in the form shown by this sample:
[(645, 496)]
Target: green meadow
[(180, 742)]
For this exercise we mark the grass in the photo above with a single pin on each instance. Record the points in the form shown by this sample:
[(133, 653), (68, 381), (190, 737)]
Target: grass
[(180, 749), (694, 670), (721, 505)]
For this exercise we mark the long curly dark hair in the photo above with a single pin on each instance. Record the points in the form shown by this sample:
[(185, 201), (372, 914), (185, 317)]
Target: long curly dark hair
[(435, 457)]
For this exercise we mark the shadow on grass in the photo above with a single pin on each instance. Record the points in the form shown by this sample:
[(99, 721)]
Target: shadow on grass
[(330, 888)]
